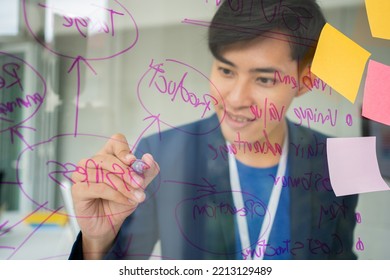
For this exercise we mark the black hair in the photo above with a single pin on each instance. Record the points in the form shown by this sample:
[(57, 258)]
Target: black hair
[(244, 20)]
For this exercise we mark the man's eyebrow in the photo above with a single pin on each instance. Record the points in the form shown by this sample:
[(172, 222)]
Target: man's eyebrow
[(265, 70), (224, 60), (254, 70)]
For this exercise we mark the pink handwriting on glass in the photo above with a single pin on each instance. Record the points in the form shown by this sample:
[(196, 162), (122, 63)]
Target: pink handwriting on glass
[(266, 147), (206, 208), (332, 211), (311, 115), (252, 207), (83, 19), (163, 85), (314, 246), (14, 96), (59, 173), (269, 110), (245, 146), (92, 24), (217, 2), (172, 83), (359, 244), (309, 81), (11, 72), (12, 81), (308, 181), (84, 23), (102, 175)]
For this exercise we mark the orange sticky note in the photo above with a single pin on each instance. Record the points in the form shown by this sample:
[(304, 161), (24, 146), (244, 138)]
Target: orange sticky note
[(378, 17), (339, 62), (376, 98)]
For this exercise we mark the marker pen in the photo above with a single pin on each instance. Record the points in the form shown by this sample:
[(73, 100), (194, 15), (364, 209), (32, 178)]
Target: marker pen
[(139, 166)]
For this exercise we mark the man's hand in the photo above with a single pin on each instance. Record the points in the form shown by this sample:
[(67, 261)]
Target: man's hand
[(106, 191)]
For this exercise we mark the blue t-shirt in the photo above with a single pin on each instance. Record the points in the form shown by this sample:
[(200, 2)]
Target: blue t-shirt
[(256, 187)]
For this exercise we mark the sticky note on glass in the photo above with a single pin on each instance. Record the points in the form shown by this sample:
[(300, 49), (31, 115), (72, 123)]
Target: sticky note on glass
[(376, 99), (378, 17), (339, 62), (353, 166)]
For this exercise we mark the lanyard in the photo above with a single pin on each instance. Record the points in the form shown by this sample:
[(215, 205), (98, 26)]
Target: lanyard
[(273, 203)]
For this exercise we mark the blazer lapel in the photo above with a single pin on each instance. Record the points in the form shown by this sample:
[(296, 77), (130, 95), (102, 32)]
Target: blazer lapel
[(218, 175), (300, 199)]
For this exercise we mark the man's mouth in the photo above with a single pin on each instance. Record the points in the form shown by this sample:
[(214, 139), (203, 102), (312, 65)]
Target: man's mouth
[(240, 118)]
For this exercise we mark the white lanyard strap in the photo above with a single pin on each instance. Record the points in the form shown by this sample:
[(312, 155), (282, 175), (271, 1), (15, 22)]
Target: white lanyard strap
[(273, 203)]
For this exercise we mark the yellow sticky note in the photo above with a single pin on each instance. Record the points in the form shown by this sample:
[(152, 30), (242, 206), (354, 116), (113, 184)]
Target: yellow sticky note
[(46, 218), (339, 62), (378, 17)]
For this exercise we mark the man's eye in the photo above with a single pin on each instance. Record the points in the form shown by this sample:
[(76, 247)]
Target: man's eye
[(266, 81), (225, 71)]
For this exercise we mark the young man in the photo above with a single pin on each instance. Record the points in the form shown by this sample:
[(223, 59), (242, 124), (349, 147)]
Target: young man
[(266, 195)]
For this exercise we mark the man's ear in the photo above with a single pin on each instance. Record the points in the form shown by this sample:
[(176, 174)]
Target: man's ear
[(306, 80)]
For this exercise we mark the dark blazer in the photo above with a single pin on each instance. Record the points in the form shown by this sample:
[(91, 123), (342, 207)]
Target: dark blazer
[(189, 206)]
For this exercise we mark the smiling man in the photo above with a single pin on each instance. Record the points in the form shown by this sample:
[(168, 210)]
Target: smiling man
[(255, 201)]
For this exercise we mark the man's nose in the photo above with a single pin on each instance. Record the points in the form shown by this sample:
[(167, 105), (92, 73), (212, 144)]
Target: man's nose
[(240, 94)]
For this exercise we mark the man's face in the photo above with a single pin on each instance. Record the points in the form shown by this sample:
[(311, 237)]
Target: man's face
[(253, 101)]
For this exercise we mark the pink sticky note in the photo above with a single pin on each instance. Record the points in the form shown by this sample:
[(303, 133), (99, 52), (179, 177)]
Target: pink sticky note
[(376, 99), (353, 166)]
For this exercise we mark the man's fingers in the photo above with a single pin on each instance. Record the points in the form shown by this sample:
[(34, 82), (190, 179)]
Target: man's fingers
[(85, 192), (107, 169), (93, 176), (118, 147), (153, 169)]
